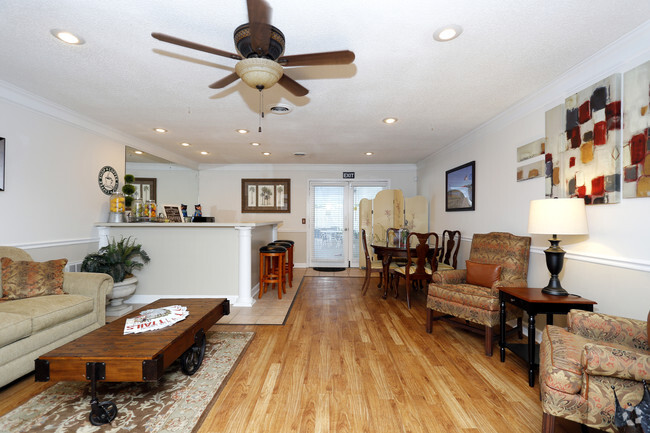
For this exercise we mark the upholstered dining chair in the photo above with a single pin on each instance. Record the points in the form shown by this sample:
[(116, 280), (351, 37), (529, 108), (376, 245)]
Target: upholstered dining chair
[(419, 266), (495, 260), (579, 366), (371, 265), (448, 253)]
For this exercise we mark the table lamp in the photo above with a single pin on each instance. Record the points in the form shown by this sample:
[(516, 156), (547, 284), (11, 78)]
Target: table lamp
[(560, 216)]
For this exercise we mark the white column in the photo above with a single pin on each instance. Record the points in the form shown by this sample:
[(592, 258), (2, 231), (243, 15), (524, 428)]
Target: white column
[(275, 232), (104, 233), (244, 299)]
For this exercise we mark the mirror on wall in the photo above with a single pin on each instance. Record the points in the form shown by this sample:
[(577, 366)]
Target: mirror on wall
[(164, 181)]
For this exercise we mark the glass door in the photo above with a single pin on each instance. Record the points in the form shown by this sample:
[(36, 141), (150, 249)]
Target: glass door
[(334, 221)]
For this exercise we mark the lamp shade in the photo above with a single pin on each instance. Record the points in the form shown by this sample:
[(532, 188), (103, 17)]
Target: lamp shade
[(561, 216), (259, 73)]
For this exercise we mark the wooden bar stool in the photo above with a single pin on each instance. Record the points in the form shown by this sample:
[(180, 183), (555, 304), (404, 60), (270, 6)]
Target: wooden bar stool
[(288, 266), (272, 268), (290, 258)]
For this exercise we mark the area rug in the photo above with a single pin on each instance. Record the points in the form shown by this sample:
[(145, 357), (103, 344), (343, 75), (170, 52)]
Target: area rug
[(176, 403), (330, 269)]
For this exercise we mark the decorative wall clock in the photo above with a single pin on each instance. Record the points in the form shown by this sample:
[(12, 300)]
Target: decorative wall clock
[(108, 180)]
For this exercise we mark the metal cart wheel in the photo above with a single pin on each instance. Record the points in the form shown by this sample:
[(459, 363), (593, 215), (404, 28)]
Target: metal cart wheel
[(193, 357), (102, 413)]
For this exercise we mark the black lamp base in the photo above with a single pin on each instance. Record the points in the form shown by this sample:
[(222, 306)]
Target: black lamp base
[(554, 263)]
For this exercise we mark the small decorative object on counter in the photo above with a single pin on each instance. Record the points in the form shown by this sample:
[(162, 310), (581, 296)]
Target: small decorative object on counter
[(150, 209), (128, 189), (117, 208), (184, 210), (137, 209), (197, 210)]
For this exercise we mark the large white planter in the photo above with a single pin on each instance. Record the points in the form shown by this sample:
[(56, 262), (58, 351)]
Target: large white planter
[(121, 291)]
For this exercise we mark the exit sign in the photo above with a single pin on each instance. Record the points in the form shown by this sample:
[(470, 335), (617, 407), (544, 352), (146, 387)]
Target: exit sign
[(348, 175)]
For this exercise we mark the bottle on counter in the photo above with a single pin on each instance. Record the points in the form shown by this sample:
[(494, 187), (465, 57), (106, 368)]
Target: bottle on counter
[(150, 209), (117, 208), (137, 209)]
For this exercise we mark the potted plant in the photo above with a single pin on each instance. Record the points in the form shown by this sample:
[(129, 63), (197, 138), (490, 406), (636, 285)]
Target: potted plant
[(118, 259)]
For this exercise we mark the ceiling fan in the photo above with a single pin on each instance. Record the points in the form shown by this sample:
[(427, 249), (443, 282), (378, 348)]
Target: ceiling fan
[(260, 46)]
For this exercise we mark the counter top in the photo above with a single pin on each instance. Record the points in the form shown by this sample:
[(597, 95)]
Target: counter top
[(192, 225)]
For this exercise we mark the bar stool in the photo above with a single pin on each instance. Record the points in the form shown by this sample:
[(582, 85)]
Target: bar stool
[(272, 268), (290, 255), (288, 266)]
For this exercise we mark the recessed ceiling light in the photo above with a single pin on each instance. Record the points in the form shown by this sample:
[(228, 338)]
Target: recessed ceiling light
[(67, 37), (390, 120), (369, 153), (255, 144), (242, 131), (447, 33), (185, 144), (160, 130), (266, 153), (203, 152), (138, 152)]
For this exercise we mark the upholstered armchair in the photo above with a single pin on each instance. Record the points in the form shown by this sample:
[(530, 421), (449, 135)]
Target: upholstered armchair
[(495, 260), (579, 366)]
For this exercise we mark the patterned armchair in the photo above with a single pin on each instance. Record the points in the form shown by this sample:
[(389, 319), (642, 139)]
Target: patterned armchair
[(451, 294), (579, 366)]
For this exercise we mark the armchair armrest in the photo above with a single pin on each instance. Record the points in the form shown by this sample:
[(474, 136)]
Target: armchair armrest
[(508, 283), (600, 360), (631, 333), (456, 276)]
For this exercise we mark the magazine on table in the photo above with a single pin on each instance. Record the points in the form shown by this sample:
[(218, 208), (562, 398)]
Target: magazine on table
[(157, 318)]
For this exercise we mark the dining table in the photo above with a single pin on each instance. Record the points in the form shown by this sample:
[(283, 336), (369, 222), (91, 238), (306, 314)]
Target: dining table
[(387, 253)]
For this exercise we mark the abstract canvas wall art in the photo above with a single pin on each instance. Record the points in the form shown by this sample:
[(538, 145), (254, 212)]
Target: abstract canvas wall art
[(555, 133), (636, 121), (591, 157)]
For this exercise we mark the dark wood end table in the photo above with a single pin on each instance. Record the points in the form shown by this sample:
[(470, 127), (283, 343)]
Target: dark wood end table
[(534, 302)]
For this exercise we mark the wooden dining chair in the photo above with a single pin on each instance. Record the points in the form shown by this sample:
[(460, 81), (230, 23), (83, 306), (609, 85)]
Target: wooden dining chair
[(421, 262), (448, 253), (371, 265)]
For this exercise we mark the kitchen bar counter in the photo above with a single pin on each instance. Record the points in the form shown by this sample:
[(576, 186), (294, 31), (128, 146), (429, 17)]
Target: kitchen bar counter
[(196, 259)]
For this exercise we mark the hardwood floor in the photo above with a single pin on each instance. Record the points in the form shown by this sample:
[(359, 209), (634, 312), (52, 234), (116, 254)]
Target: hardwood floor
[(347, 363)]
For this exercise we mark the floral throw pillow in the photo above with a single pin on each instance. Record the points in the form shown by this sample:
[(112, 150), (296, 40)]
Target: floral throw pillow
[(26, 279)]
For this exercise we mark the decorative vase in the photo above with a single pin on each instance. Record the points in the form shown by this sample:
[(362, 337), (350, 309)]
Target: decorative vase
[(121, 291)]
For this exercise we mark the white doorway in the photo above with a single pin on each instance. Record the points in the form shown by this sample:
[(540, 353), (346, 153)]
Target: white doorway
[(334, 220)]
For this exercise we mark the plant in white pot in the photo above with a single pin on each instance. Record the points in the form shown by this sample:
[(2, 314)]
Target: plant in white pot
[(118, 259)]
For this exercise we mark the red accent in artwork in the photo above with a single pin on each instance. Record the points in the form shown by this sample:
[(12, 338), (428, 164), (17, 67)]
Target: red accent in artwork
[(548, 157), (581, 191), (584, 112), (600, 133), (613, 115), (572, 161), (598, 185), (574, 136), (637, 148)]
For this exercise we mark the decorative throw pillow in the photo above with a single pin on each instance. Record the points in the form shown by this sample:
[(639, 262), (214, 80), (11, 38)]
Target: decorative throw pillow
[(482, 274), (26, 279)]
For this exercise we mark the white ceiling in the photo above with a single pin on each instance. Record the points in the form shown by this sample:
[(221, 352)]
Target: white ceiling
[(127, 80)]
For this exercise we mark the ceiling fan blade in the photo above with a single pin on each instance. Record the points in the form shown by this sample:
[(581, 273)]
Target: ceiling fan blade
[(292, 85), (220, 84), (314, 59), (193, 45), (259, 19)]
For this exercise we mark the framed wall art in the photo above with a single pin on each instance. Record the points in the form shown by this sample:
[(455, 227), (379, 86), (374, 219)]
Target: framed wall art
[(266, 195), (173, 213), (460, 188), (2, 164)]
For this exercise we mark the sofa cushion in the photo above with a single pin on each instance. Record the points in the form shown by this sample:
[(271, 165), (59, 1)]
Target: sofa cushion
[(482, 274), (47, 311), (14, 327), (25, 279)]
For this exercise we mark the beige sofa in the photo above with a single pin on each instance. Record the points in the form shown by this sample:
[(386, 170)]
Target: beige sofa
[(34, 326)]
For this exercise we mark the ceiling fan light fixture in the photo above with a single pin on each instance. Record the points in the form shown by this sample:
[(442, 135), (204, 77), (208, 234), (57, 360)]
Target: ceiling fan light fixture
[(259, 73), (447, 33)]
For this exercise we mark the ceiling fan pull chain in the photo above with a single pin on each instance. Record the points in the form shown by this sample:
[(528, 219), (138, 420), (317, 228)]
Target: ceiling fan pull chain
[(261, 116)]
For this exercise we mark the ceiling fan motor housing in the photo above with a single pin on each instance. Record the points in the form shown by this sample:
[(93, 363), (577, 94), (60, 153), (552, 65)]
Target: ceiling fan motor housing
[(243, 43)]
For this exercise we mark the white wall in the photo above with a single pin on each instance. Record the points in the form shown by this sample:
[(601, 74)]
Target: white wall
[(612, 264), (52, 197)]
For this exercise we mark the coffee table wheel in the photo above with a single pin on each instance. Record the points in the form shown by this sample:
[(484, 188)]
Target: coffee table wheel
[(102, 413), (193, 357)]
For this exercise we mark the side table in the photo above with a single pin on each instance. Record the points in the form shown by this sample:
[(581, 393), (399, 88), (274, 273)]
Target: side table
[(534, 302)]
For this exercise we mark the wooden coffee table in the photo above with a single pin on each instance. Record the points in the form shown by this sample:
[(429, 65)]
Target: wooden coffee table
[(106, 354), (534, 302)]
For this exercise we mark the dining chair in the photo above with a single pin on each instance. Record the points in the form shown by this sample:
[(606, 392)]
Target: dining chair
[(394, 239), (371, 265), (448, 253), (420, 263)]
